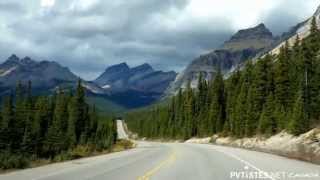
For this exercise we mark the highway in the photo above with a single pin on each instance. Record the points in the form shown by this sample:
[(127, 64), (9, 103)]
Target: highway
[(174, 161), (121, 130)]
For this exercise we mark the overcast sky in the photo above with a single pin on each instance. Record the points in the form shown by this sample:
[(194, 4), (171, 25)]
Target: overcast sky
[(89, 35)]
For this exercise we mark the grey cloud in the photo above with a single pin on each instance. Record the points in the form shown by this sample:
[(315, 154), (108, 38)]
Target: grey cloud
[(89, 39), (284, 16), (12, 8)]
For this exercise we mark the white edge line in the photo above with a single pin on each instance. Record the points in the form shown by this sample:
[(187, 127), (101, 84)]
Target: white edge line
[(247, 163)]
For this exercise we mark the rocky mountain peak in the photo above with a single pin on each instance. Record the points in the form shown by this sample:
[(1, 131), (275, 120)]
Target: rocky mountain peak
[(243, 45), (258, 32), (27, 61), (143, 67), (258, 37), (118, 67), (317, 13), (13, 58)]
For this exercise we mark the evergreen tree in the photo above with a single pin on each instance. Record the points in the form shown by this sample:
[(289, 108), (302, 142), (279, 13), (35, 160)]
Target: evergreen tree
[(218, 103), (60, 115), (299, 117), (40, 123), (282, 83), (7, 135), (28, 141), (267, 122)]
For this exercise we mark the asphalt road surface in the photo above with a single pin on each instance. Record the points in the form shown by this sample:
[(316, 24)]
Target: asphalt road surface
[(121, 132), (174, 161)]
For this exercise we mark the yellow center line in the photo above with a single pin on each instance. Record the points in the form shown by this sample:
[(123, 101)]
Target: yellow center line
[(148, 174)]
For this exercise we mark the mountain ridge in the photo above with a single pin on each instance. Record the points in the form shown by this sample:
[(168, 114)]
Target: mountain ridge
[(243, 45), (120, 77)]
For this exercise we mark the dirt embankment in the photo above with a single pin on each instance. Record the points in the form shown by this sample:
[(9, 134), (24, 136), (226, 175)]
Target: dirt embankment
[(304, 147)]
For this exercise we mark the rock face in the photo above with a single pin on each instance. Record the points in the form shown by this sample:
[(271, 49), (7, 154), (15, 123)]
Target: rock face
[(120, 84), (242, 46), (44, 74), (143, 78), (302, 29), (258, 37)]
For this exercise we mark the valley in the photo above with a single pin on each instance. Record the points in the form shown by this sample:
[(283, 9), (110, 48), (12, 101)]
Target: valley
[(154, 160), (161, 90)]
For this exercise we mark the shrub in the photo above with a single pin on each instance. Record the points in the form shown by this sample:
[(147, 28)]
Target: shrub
[(13, 161)]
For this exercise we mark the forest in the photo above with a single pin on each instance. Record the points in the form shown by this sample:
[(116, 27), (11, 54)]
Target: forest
[(57, 127), (269, 95)]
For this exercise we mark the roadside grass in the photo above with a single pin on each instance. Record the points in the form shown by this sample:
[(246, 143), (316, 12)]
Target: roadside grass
[(7, 162), (122, 145)]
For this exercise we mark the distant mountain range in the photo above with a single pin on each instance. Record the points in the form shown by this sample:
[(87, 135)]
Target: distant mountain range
[(45, 75), (122, 86), (143, 78), (119, 84)]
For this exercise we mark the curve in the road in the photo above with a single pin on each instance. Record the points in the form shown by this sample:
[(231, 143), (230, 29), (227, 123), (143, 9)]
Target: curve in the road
[(171, 161)]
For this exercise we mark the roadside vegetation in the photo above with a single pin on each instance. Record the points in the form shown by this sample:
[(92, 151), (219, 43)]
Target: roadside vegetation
[(43, 129), (275, 93)]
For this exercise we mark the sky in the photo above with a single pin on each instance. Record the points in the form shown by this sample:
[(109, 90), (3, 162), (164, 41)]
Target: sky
[(89, 35)]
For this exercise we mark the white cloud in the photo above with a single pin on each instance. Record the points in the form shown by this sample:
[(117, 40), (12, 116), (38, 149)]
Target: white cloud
[(88, 35), (243, 13), (47, 3), (82, 5)]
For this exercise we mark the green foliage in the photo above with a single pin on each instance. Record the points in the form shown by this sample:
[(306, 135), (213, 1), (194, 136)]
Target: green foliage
[(298, 122), (56, 127), (275, 93)]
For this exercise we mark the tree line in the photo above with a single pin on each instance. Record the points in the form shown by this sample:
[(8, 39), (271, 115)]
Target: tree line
[(275, 93), (50, 127)]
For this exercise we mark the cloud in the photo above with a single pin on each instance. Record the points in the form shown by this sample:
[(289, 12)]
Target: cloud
[(47, 3), (89, 35), (283, 16), (11, 8)]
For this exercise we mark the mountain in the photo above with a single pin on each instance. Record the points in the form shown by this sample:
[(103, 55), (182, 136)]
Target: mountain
[(44, 74), (119, 87), (47, 77), (121, 78), (243, 45), (302, 29)]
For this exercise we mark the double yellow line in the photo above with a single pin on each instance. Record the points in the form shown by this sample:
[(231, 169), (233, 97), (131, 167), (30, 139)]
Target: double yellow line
[(170, 159)]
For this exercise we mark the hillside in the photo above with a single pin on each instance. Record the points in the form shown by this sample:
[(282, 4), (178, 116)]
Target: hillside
[(242, 46), (276, 93)]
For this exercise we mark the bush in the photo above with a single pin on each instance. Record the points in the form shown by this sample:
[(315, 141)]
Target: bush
[(122, 145), (13, 161), (79, 152), (62, 157)]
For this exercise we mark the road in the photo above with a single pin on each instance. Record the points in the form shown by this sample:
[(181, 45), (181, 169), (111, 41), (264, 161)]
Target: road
[(174, 161), (121, 131)]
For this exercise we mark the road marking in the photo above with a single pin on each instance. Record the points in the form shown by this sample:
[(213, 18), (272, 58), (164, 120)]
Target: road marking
[(247, 164), (148, 174)]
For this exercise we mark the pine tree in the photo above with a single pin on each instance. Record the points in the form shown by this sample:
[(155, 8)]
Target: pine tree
[(7, 135), (219, 99), (79, 110), (28, 141), (20, 114), (60, 115), (40, 123), (55, 139), (93, 123), (282, 83), (314, 37), (299, 119), (73, 117), (267, 122)]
